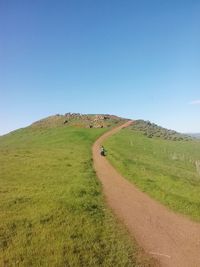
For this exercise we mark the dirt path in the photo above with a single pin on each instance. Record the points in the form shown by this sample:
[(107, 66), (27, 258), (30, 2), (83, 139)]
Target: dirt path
[(172, 239)]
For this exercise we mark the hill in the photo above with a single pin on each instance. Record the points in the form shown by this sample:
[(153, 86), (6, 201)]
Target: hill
[(52, 209), (153, 130), (165, 164), (195, 135)]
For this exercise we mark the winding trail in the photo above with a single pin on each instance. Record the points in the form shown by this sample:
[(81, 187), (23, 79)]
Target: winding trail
[(171, 238)]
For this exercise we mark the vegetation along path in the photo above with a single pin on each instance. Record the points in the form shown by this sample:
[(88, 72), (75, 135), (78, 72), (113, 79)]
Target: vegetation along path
[(171, 238)]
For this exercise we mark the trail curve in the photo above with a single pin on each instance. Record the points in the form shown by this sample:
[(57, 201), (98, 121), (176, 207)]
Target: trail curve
[(172, 239)]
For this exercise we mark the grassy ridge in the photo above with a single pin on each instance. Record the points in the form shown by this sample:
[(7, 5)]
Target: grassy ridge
[(52, 211), (153, 130), (167, 170)]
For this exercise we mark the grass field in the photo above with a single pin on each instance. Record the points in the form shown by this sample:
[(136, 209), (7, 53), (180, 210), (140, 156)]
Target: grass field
[(167, 170), (52, 209)]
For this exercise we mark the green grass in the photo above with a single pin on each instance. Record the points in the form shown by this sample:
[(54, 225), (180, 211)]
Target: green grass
[(52, 209), (167, 170)]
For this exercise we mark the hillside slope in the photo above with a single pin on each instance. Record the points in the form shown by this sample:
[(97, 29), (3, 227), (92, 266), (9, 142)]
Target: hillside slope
[(153, 130), (168, 169), (172, 239), (52, 209)]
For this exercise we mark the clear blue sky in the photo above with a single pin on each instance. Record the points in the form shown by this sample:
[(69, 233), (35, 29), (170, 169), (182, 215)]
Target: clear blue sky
[(134, 58)]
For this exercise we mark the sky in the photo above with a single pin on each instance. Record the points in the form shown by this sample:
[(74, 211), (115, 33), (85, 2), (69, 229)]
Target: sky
[(138, 59)]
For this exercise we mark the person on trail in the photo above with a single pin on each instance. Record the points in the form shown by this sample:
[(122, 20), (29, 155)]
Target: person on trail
[(102, 151)]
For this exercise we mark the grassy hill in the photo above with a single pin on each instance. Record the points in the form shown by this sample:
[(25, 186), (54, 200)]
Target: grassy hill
[(165, 167), (153, 130), (52, 208)]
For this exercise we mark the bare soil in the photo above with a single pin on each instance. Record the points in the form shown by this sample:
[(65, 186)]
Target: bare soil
[(172, 239)]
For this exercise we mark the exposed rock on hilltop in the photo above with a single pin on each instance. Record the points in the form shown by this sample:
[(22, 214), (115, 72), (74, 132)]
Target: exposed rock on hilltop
[(79, 120)]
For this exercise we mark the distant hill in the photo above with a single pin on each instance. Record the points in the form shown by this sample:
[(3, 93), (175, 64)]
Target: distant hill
[(195, 135), (79, 120), (153, 130)]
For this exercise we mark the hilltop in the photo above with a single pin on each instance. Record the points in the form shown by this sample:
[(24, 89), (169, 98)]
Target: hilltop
[(149, 129), (79, 120)]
